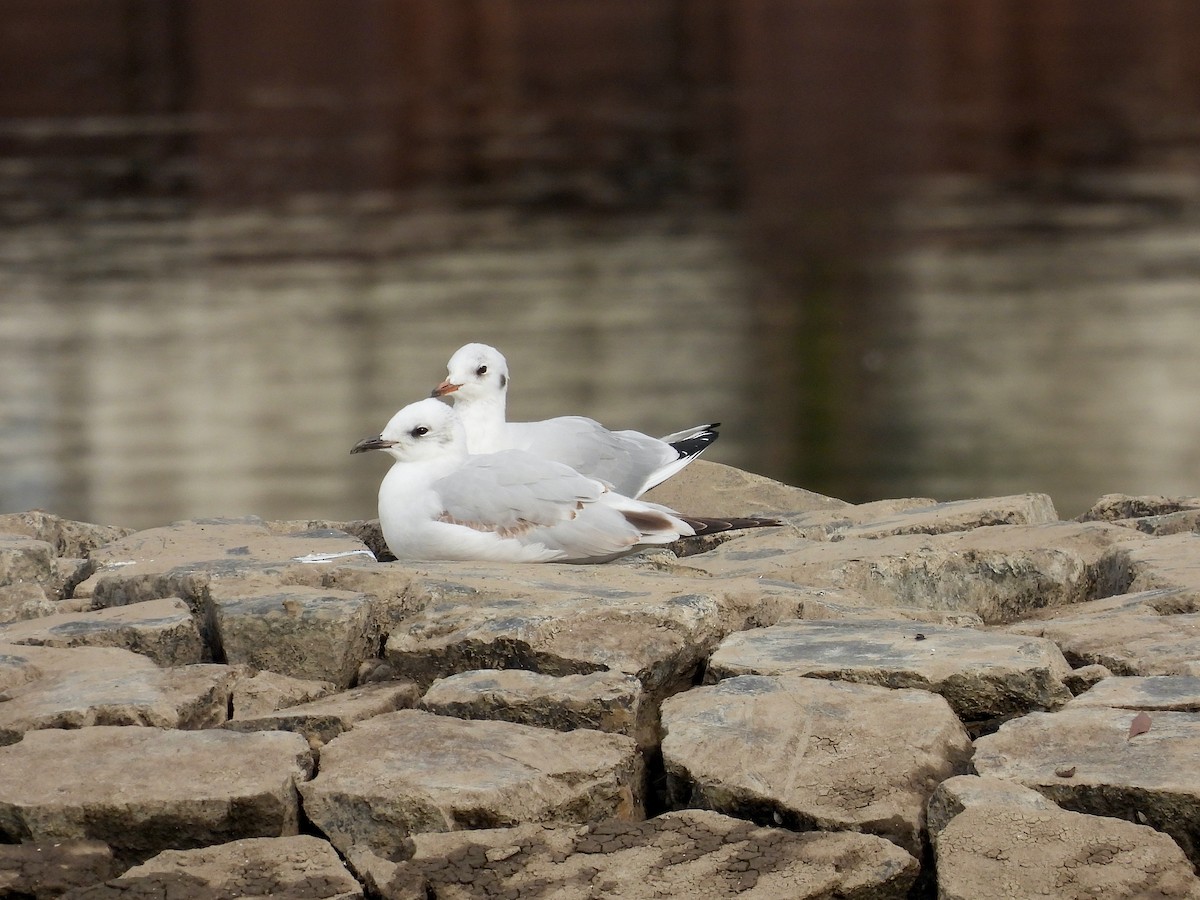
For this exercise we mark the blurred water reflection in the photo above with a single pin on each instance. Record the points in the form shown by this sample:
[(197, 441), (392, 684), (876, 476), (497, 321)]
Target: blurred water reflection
[(224, 365), (156, 366)]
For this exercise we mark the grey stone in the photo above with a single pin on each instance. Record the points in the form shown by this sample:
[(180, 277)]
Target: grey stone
[(812, 754), (68, 538), (1163, 563), (41, 870), (24, 600), (408, 772), (602, 701), (323, 719), (303, 632), (264, 692), (298, 867), (693, 853), (983, 675), (957, 515), (1085, 677), (1155, 632), (1171, 693), (89, 686), (163, 630), (1085, 759), (999, 840), (24, 559), (710, 489), (578, 620), (143, 790), (1114, 507), (1000, 573)]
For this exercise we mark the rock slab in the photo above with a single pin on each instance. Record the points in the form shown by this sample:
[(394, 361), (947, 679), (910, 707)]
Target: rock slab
[(812, 754)]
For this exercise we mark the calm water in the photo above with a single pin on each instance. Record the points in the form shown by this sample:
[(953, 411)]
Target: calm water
[(157, 366)]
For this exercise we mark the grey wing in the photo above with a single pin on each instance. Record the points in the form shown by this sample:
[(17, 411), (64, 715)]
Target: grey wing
[(513, 492), (626, 460)]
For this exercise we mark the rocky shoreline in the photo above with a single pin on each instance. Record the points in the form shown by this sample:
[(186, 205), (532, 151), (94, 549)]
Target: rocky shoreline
[(903, 698)]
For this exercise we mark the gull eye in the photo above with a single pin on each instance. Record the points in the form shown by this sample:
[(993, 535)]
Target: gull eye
[(419, 431), (481, 371)]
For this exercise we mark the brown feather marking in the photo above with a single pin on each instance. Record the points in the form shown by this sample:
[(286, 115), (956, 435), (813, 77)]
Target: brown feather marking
[(517, 529), (648, 521)]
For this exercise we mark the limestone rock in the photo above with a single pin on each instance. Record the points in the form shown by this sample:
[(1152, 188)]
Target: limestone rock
[(180, 560), (693, 853), (24, 559), (89, 686), (323, 719), (602, 701), (578, 620), (1170, 563), (710, 489), (67, 538), (142, 790), (1154, 632), (812, 754), (298, 868), (983, 675), (162, 630), (1085, 677), (303, 632), (1001, 573), (1006, 841), (24, 600), (41, 870), (958, 515), (265, 692), (410, 771), (1085, 759), (1113, 507), (1172, 693)]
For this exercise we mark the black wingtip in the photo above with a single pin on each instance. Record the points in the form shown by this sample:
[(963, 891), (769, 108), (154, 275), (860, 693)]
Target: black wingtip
[(713, 525), (697, 443)]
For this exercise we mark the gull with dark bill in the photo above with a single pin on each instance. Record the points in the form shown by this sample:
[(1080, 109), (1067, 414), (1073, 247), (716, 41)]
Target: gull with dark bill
[(438, 501), (628, 461)]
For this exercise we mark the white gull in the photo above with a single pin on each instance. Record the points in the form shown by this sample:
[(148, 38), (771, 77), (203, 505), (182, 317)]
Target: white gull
[(438, 501), (630, 462)]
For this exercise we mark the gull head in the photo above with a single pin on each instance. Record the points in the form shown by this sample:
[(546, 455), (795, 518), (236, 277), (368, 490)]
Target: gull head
[(427, 429), (475, 371)]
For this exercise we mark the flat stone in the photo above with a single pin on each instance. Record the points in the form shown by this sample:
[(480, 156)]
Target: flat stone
[(143, 790), (1151, 775), (983, 675), (68, 538), (1001, 842), (1114, 507), (1000, 573), (24, 600), (1163, 563), (1155, 632), (298, 868), (602, 701), (24, 559), (41, 870), (812, 754), (180, 560), (1086, 677), (958, 515), (1170, 693), (303, 632), (265, 692), (410, 771), (693, 853), (575, 620), (163, 630), (323, 719), (711, 489), (89, 686)]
